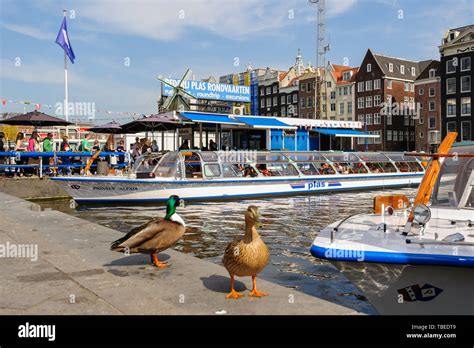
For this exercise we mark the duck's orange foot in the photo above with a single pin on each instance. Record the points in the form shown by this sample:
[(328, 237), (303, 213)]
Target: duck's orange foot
[(160, 264), (234, 294), (256, 293)]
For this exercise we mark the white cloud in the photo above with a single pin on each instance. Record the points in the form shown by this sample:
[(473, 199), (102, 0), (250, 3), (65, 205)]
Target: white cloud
[(170, 20), (337, 7), (29, 31)]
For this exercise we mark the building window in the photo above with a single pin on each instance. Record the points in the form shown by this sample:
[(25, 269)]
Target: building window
[(466, 106), (451, 65), (406, 87), (340, 91), (303, 86), (412, 87), (333, 106), (466, 131), (369, 67), (269, 90), (378, 140), (432, 92), (275, 89), (283, 111), (303, 102), (349, 107), (421, 120), (389, 84), (422, 135), (389, 135), (295, 98), (333, 95), (465, 63), (377, 118), (360, 103), (310, 102), (262, 103), (275, 101), (432, 106), (283, 99), (262, 91), (451, 108), (377, 100), (451, 126), (421, 91), (269, 102), (432, 73), (465, 84), (328, 84), (345, 90), (389, 99), (412, 136), (368, 102), (395, 135), (368, 119), (360, 86), (368, 85), (308, 88), (341, 108), (406, 120), (432, 122), (413, 71), (288, 99), (390, 67), (361, 119), (324, 108), (451, 86), (389, 119), (402, 69), (377, 84)]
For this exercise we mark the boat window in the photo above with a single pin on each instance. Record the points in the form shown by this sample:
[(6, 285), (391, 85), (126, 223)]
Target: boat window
[(169, 166), (145, 166), (212, 170), (349, 168), (232, 170), (307, 168), (415, 167), (446, 181), (271, 157), (249, 171), (209, 156), (277, 169), (375, 167), (373, 157), (403, 166), (192, 165), (325, 168), (306, 157), (388, 167), (342, 157)]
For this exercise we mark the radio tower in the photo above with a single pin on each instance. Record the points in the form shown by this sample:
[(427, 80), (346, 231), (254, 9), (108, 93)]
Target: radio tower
[(321, 48)]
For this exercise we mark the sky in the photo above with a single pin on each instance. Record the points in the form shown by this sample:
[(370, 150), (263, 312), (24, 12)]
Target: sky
[(121, 46)]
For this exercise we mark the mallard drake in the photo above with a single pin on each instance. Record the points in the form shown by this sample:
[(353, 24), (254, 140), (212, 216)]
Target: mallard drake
[(154, 236), (247, 256)]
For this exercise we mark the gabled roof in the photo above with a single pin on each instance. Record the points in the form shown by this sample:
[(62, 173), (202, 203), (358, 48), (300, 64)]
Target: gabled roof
[(384, 61), (338, 73)]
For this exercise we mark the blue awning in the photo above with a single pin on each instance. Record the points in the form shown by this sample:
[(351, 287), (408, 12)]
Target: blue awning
[(351, 133), (210, 118), (265, 122)]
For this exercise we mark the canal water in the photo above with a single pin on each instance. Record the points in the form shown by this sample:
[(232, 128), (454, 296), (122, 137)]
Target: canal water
[(290, 226)]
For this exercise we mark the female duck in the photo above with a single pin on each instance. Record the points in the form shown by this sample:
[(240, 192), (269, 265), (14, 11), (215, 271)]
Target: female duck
[(248, 256), (154, 236)]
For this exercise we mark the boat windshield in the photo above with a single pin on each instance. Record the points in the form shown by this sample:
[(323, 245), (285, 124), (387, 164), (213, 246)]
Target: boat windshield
[(454, 187), (169, 166), (145, 165)]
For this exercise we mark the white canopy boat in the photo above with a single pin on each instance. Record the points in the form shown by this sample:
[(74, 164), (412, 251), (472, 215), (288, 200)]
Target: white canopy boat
[(209, 175), (437, 229)]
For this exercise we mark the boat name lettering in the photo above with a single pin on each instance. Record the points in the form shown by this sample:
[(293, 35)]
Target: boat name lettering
[(103, 188), (316, 184), (128, 188)]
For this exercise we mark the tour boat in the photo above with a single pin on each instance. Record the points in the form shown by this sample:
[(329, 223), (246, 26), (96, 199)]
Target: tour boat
[(214, 175), (437, 229)]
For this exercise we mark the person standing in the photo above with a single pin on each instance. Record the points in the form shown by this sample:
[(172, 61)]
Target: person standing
[(66, 160), (2, 149), (212, 145), (85, 147), (184, 145), (34, 146), (48, 147), (19, 147), (154, 146)]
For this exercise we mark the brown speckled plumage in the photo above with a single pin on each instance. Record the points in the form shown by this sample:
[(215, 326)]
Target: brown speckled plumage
[(248, 256)]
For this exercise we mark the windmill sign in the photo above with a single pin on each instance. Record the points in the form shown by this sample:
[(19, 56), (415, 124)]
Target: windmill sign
[(210, 90)]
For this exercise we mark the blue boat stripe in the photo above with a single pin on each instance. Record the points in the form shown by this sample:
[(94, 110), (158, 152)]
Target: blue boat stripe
[(393, 257), (150, 200), (186, 182)]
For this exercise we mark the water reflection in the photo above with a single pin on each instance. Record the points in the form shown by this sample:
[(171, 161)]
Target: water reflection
[(290, 225)]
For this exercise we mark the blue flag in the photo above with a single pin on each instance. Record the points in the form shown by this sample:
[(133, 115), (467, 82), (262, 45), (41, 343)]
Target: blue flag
[(63, 40)]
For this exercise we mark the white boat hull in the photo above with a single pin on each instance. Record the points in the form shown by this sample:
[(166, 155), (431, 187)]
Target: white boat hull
[(123, 190)]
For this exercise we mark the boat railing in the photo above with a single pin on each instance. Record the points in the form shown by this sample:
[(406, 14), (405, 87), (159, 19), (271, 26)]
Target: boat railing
[(55, 163)]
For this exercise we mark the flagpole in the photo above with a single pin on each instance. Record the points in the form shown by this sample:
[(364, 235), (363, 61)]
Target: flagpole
[(66, 101)]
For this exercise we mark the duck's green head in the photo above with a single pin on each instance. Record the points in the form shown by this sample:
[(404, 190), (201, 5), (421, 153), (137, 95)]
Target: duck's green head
[(171, 205)]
